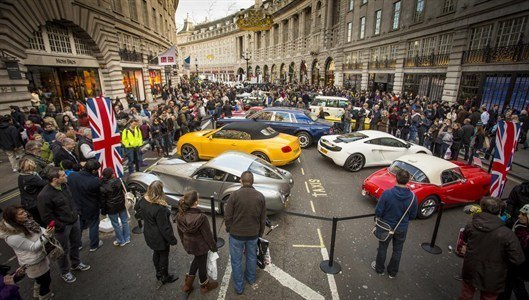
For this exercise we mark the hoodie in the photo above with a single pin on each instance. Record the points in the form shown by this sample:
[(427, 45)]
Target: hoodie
[(393, 204), (195, 233)]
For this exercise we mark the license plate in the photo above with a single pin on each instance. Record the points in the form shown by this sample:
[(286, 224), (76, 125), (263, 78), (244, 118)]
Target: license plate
[(324, 151)]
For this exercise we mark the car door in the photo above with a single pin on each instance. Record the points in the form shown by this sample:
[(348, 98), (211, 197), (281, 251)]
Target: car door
[(207, 182), (282, 122), (455, 187), (219, 142), (264, 116), (392, 149)]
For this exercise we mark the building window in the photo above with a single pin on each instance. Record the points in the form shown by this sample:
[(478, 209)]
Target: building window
[(116, 5), (418, 16), (445, 43), (351, 4), (349, 31), (480, 37), (414, 48), (449, 6), (133, 10), (161, 24), (81, 47), (145, 13), (428, 45), (59, 39), (37, 42), (510, 32), (393, 51), (362, 27), (378, 19), (364, 2), (153, 20), (396, 16)]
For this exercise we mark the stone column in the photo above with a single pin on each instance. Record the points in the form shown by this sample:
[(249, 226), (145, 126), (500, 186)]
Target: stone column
[(364, 54), (398, 82), (454, 69)]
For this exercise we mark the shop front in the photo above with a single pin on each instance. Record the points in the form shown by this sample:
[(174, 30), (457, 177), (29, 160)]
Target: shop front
[(133, 84), (155, 80), (352, 82), (382, 82), (424, 85)]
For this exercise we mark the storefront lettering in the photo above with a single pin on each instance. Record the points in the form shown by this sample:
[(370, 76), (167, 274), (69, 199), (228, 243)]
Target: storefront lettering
[(66, 61)]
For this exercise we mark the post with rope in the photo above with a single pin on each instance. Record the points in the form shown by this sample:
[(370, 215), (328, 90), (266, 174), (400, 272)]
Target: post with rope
[(329, 266), (431, 247), (219, 241)]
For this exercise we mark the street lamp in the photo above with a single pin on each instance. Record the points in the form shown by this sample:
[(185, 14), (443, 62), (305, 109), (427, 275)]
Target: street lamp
[(247, 55)]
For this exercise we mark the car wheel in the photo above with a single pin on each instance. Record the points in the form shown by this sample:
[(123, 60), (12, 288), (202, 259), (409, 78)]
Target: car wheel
[(261, 155), (421, 152), (355, 162), (305, 140), (189, 153), (424, 211)]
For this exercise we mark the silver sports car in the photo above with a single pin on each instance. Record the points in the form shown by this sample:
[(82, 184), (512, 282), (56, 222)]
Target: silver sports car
[(218, 177)]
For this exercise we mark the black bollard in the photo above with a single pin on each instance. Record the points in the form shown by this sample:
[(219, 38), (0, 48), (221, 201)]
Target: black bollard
[(431, 247), (330, 266), (218, 241)]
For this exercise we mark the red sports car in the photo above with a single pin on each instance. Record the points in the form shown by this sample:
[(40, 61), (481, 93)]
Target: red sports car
[(243, 113), (433, 180)]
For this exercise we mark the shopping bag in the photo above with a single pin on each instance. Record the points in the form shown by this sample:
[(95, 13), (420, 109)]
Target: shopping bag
[(461, 247), (262, 251), (212, 264)]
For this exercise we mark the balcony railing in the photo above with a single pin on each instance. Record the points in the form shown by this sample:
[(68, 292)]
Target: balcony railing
[(427, 60), (382, 64), (127, 55), (514, 53), (356, 65)]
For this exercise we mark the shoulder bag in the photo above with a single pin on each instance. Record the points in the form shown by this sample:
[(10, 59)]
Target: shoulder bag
[(53, 248), (383, 231), (130, 199)]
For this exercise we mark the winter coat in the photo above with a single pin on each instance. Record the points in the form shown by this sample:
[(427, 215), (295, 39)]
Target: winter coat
[(9, 291), (466, 134), (491, 247), (42, 165), (245, 213), (30, 186), (9, 137), (392, 205), (522, 233), (112, 196), (63, 154), (195, 233), (57, 205), (518, 197), (85, 191), (157, 230), (28, 249)]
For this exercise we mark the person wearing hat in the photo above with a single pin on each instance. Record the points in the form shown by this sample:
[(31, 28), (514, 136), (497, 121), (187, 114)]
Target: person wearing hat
[(517, 275)]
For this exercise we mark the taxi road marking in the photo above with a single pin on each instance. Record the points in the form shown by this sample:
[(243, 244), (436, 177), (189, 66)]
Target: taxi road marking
[(321, 245), (312, 206), (299, 161), (302, 171), (307, 186), (317, 188)]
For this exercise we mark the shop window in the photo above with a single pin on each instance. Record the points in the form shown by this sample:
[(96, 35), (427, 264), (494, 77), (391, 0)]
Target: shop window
[(520, 94), (470, 84), (59, 38), (429, 85), (37, 41)]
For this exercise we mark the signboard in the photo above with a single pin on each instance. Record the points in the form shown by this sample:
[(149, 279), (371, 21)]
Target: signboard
[(12, 70), (168, 58)]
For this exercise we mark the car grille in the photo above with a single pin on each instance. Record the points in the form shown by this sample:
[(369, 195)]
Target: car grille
[(329, 147)]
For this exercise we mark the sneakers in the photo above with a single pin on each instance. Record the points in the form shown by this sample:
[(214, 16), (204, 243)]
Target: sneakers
[(98, 246), (126, 242), (391, 277), (68, 277), (81, 267), (374, 267), (15, 170), (117, 244)]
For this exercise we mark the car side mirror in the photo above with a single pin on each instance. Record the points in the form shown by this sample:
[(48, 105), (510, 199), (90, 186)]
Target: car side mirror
[(210, 137), (408, 145), (463, 180)]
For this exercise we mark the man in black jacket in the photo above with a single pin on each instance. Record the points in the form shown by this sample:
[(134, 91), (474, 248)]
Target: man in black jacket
[(467, 131), (33, 149), (10, 141), (55, 203), (66, 152), (518, 197), (85, 187)]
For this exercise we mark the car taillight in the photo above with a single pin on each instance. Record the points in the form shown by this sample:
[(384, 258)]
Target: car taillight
[(286, 149)]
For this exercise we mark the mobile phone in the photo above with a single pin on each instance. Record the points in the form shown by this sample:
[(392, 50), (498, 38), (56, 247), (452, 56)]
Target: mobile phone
[(52, 224)]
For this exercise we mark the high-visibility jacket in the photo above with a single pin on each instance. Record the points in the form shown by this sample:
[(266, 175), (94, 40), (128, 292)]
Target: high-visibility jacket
[(132, 138)]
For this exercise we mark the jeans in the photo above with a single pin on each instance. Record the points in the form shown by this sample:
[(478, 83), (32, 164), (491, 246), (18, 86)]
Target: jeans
[(133, 157), (199, 264), (413, 134), (444, 148), (236, 250), (12, 156), (70, 240), (122, 231), (346, 127), (398, 243), (93, 231)]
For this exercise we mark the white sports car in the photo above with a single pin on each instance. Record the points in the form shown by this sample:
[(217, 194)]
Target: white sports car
[(366, 148)]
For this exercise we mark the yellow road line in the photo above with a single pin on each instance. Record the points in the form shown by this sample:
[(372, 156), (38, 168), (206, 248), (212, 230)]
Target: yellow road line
[(307, 186), (312, 206), (321, 245), (321, 238), (9, 196), (302, 171)]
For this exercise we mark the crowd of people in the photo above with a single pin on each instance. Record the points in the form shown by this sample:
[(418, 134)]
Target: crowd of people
[(63, 192)]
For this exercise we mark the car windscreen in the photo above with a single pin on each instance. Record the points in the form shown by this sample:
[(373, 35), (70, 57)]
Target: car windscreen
[(269, 131), (416, 174), (312, 116), (264, 168), (350, 137)]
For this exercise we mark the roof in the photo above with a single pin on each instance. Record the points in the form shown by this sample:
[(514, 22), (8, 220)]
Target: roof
[(431, 166), (233, 162), (375, 134), (287, 109), (251, 127)]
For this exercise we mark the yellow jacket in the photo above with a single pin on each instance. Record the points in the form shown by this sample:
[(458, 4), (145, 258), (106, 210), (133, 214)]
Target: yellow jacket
[(131, 139)]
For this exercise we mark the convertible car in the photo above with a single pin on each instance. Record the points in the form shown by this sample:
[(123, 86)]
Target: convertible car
[(294, 121), (433, 180), (252, 137), (218, 177), (366, 148)]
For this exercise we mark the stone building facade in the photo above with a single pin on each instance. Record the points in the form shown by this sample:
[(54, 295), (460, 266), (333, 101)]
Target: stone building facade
[(443, 49), (75, 49)]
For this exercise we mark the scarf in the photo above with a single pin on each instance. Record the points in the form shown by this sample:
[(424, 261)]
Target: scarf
[(32, 226)]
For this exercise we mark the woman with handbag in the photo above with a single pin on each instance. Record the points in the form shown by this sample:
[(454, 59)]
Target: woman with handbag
[(158, 231), (30, 184), (112, 192), (28, 240), (197, 239)]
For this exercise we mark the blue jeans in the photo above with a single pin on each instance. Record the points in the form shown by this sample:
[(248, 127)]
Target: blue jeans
[(134, 158), (398, 243), (93, 231), (123, 231), (236, 250)]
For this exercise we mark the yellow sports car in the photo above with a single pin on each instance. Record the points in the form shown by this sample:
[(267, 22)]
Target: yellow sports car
[(250, 137)]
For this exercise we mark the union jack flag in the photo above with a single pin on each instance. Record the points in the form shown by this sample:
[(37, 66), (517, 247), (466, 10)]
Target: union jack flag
[(506, 141), (105, 134)]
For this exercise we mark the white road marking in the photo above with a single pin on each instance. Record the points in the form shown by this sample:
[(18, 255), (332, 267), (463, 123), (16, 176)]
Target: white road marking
[(330, 277), (312, 206), (307, 186), (223, 289), (205, 124), (292, 283), (151, 158), (302, 171), (299, 161)]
